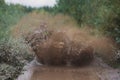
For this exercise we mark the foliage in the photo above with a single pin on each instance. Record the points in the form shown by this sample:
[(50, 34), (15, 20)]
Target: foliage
[(103, 15), (14, 54), (10, 15), (112, 26)]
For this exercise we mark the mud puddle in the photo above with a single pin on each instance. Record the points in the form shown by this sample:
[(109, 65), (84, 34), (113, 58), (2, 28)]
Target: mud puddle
[(96, 71)]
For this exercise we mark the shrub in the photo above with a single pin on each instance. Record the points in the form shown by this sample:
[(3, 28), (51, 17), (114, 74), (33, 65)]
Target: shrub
[(13, 55)]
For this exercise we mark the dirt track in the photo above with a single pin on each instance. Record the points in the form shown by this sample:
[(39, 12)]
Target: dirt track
[(96, 71)]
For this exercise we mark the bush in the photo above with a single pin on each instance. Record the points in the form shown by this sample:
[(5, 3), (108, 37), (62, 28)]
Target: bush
[(14, 54)]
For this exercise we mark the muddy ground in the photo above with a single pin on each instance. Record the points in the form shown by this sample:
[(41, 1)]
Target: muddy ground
[(97, 70)]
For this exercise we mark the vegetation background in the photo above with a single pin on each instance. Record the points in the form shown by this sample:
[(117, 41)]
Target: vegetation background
[(103, 16)]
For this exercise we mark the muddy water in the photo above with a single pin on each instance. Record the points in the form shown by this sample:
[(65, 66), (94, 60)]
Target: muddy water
[(97, 70), (64, 73)]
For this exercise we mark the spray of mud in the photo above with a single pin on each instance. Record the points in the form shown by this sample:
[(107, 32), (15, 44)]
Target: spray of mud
[(103, 46), (30, 23), (64, 45)]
